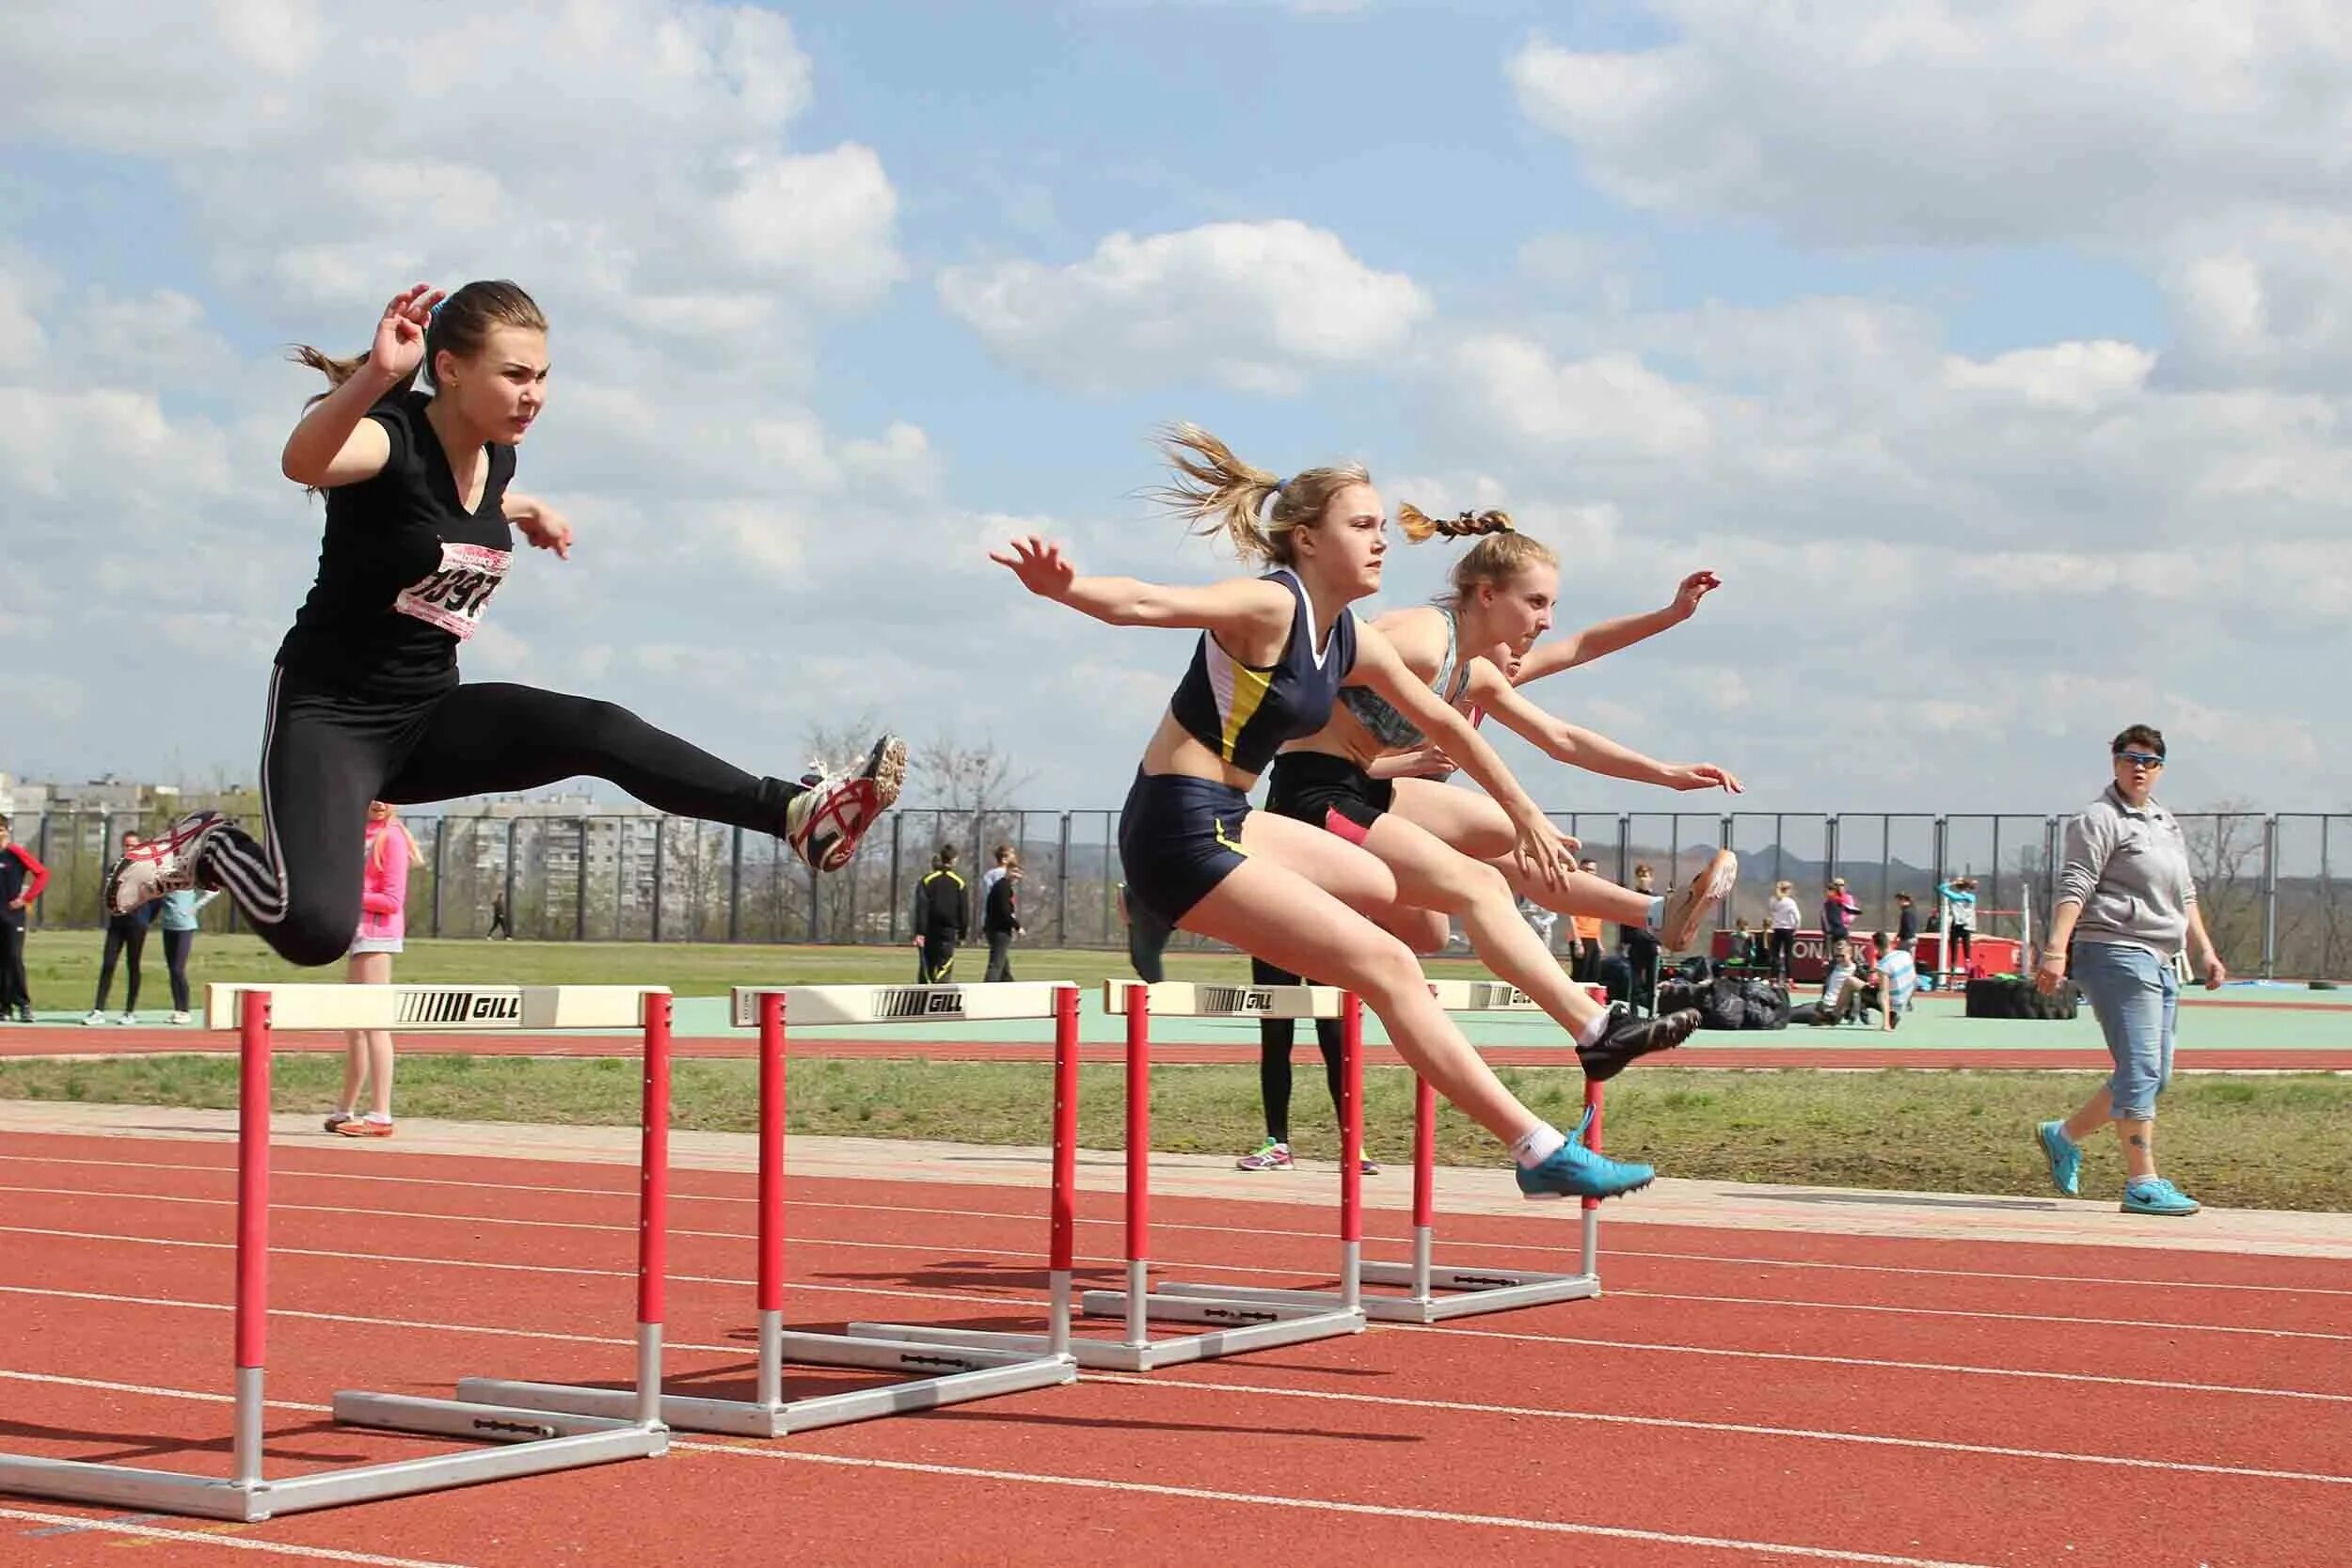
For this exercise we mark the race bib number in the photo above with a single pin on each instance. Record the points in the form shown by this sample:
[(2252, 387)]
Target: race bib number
[(455, 597)]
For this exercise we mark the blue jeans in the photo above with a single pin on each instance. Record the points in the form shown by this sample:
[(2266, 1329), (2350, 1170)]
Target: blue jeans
[(2136, 997)]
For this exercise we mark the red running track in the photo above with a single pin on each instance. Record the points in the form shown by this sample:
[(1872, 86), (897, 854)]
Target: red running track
[(1736, 1397), (140, 1042)]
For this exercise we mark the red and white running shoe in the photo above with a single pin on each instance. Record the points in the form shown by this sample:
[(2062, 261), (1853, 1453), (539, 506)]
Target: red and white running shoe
[(166, 863), (825, 821)]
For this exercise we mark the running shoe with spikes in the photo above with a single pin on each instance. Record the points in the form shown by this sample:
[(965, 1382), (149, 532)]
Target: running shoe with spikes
[(1576, 1171), (1686, 906), (1271, 1155), (825, 821), (1629, 1037), (165, 863)]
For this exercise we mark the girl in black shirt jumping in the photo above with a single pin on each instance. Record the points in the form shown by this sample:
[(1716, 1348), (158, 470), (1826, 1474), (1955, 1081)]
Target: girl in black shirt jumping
[(365, 703)]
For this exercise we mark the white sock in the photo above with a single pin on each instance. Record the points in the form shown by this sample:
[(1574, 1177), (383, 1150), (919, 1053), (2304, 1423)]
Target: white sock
[(379, 1118), (1658, 914), (1591, 1032), (1537, 1143)]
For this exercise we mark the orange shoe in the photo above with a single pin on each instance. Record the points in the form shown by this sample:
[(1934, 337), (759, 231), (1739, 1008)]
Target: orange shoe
[(360, 1127)]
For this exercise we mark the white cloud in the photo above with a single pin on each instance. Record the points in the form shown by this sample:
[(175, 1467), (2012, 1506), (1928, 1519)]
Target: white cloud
[(1609, 402), (1936, 122), (1260, 306), (2079, 377)]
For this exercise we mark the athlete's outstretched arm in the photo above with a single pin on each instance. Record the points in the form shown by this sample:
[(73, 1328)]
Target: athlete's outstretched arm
[(1598, 641), (1238, 606), (1580, 748), (337, 443), (538, 522), (1378, 666)]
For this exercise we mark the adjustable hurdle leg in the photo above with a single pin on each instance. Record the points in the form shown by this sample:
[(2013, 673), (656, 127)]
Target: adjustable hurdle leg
[(1243, 1319), (1437, 1293), (940, 1376)]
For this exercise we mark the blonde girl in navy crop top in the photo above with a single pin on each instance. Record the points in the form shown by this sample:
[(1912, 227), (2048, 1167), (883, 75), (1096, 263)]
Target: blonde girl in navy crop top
[(1271, 649)]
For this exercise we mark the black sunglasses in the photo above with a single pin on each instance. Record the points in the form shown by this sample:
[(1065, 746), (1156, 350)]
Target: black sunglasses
[(2140, 759)]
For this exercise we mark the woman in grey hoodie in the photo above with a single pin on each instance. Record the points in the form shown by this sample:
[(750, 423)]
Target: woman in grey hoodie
[(2127, 903)]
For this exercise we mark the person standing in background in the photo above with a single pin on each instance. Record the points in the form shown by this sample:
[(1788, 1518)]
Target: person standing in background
[(126, 937), (176, 918), (1000, 910), (1585, 963), (1907, 922), (22, 877), (1960, 909), (1782, 915), (498, 918), (382, 903), (942, 918)]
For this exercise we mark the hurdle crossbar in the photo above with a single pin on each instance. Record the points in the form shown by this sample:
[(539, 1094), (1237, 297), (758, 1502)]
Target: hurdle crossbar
[(1431, 1293), (1235, 1325), (533, 1442), (940, 1374)]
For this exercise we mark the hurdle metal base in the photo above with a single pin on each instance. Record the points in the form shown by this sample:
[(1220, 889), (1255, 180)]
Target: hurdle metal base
[(532, 1443), (951, 1376), (1257, 1325), (1470, 1293)]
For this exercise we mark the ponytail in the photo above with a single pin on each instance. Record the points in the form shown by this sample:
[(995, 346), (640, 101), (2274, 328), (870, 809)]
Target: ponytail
[(1217, 493), (1418, 524)]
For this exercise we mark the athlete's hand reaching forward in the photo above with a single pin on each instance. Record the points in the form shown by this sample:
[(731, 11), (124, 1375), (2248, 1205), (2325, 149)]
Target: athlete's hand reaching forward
[(540, 523), (1040, 566), (1703, 775)]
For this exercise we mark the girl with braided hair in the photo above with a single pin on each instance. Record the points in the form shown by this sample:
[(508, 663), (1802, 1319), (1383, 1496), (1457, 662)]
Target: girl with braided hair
[(1335, 780), (1273, 653), (1485, 630)]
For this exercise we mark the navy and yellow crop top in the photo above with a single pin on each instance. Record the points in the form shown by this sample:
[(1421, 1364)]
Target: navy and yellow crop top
[(1244, 714), (1379, 716)]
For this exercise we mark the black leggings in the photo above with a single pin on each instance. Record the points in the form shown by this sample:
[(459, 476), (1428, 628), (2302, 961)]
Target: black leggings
[(935, 960), (1784, 949), (121, 936), (14, 993), (1963, 948), (176, 946), (1275, 1039), (325, 756)]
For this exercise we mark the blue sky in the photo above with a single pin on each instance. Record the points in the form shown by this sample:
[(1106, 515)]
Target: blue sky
[(1999, 368)]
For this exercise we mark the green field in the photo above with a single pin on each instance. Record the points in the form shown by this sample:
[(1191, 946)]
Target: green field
[(62, 966), (2281, 1141), (2263, 1141)]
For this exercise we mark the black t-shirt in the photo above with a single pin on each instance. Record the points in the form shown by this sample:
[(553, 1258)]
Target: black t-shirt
[(404, 571)]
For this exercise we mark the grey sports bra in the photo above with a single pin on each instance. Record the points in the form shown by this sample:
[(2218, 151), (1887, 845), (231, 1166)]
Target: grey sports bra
[(1379, 716)]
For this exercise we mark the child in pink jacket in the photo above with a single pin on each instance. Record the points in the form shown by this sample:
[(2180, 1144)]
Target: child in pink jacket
[(382, 903)]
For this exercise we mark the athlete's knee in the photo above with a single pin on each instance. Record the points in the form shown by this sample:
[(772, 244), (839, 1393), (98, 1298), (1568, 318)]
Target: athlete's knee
[(1386, 969)]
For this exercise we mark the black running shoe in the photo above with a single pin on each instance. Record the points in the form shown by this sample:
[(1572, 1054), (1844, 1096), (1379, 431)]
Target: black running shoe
[(1629, 1037)]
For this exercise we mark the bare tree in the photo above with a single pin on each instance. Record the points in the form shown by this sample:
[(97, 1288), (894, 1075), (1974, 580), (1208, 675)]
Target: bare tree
[(2225, 846)]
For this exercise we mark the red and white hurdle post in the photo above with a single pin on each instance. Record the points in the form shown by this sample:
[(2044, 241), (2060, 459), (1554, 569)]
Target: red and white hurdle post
[(971, 1371), (530, 1443)]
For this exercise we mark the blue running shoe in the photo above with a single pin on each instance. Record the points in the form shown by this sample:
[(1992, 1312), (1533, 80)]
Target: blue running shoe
[(1576, 1171), (2153, 1195), (2065, 1156)]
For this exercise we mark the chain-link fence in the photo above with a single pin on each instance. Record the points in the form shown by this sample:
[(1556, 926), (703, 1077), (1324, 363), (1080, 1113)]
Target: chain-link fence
[(2271, 886)]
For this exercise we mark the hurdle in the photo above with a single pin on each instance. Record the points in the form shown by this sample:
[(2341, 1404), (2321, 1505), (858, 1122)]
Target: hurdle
[(1237, 1321), (939, 1375), (1433, 1293), (533, 1442)]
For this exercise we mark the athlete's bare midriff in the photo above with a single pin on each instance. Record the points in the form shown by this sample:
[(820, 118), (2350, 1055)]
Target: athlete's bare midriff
[(1418, 635)]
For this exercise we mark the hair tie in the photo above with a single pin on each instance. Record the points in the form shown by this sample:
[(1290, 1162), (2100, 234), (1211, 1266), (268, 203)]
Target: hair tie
[(1265, 507)]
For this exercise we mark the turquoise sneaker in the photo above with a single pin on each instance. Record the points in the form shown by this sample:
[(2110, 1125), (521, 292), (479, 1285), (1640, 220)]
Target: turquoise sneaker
[(1576, 1171), (2065, 1156), (2153, 1195)]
